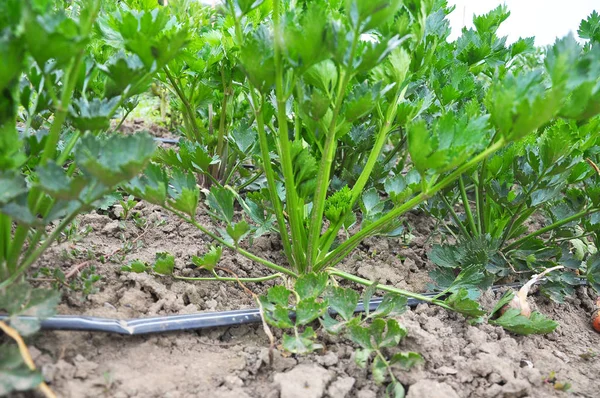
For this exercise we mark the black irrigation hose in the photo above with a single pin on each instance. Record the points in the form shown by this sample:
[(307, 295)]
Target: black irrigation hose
[(167, 140), (173, 323)]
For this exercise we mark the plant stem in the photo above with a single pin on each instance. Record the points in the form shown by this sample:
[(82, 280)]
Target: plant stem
[(5, 226), (229, 279), (358, 187), (342, 250), (222, 125), (396, 149), (329, 236), (191, 115), (122, 120), (316, 220), (455, 217), (584, 235), (465, 200), (70, 79), (249, 181), (550, 227), (16, 247), (238, 249), (481, 198), (38, 252), (294, 204), (516, 215), (49, 151), (266, 156), (68, 148), (385, 288), (270, 175)]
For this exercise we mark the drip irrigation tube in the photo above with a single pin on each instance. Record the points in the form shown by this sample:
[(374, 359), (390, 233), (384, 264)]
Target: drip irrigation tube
[(167, 140), (160, 324), (173, 323)]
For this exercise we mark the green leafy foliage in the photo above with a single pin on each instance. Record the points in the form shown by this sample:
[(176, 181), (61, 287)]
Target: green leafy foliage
[(22, 300), (461, 303), (372, 332), (14, 373), (593, 271), (54, 180), (209, 260), (343, 301), (220, 202), (136, 266), (164, 263), (154, 36), (311, 285), (590, 28), (114, 160), (184, 192), (537, 323), (338, 204), (453, 138)]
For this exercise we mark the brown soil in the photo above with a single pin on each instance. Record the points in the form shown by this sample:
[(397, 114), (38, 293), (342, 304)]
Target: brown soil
[(140, 125), (460, 360)]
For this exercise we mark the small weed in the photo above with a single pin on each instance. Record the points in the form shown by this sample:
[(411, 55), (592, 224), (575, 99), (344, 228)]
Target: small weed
[(83, 282), (127, 203), (558, 385), (589, 355), (74, 232)]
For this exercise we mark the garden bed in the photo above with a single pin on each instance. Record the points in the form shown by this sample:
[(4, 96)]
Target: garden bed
[(460, 360)]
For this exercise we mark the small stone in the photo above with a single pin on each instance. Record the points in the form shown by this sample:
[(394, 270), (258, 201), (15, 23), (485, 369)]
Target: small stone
[(211, 304), (64, 369), (97, 221), (244, 374), (430, 389), (495, 378), (490, 348), (552, 336), (516, 388), (111, 228), (341, 387), (84, 368), (533, 375), (234, 393), (561, 355), (328, 359), (280, 363), (446, 370), (366, 393), (118, 210), (49, 372), (232, 382), (304, 381)]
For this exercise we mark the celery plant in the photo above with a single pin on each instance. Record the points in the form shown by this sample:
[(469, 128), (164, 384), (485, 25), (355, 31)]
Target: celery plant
[(318, 72), (62, 83), (321, 77), (552, 175)]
